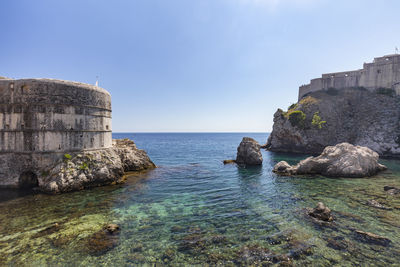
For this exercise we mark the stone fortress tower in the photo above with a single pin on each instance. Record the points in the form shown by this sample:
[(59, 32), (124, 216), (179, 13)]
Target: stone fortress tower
[(383, 72), (43, 119)]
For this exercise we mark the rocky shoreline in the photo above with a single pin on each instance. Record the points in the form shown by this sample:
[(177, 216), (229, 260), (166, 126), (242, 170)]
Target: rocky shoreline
[(94, 168)]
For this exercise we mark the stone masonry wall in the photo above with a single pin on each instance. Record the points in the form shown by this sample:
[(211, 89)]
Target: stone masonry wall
[(384, 72), (43, 119)]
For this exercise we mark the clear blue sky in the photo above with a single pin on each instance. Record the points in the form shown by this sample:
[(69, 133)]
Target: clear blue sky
[(194, 65)]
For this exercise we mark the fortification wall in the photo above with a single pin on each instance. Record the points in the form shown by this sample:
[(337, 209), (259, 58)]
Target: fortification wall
[(384, 72), (53, 116), (42, 119)]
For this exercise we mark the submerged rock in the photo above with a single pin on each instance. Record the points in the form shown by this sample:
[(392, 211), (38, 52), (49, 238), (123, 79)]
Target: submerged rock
[(229, 161), (248, 152), (112, 228), (102, 242), (375, 204), (391, 190), (342, 160), (373, 238), (321, 212), (94, 168)]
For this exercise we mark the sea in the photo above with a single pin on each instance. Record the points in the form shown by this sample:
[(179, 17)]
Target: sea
[(194, 210)]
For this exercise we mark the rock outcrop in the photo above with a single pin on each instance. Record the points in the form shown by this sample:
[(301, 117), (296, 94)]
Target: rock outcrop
[(94, 168), (342, 160), (248, 152), (330, 117)]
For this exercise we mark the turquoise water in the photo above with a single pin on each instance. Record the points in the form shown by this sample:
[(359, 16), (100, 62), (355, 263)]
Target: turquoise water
[(193, 209)]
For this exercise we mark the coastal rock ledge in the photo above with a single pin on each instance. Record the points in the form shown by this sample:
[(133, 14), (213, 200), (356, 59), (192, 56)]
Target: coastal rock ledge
[(94, 168), (342, 160)]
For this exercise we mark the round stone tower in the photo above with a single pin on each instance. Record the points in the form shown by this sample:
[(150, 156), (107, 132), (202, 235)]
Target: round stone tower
[(42, 120)]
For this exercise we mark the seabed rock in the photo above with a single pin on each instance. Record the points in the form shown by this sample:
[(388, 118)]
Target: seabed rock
[(373, 238), (103, 240), (391, 190), (342, 160), (321, 212), (112, 228), (375, 204)]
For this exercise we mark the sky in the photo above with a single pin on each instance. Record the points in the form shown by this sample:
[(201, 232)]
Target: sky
[(194, 65)]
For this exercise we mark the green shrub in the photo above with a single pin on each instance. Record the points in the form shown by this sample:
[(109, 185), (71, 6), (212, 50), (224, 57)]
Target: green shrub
[(317, 121), (67, 156), (386, 91), (292, 106), (84, 166), (297, 118)]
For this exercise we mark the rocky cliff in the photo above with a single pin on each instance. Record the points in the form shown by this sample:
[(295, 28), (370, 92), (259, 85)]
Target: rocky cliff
[(352, 115)]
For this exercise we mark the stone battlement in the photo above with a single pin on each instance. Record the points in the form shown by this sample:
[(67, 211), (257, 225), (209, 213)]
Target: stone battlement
[(41, 120), (383, 72)]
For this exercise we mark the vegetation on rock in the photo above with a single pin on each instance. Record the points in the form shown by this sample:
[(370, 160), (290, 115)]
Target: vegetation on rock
[(308, 101), (317, 121), (297, 118)]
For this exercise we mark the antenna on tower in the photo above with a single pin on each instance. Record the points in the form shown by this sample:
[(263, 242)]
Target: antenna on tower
[(396, 50), (97, 81)]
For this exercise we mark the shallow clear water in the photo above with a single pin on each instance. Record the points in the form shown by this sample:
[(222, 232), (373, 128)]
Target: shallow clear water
[(193, 209)]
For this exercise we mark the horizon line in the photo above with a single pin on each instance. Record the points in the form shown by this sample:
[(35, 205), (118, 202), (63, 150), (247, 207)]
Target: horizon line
[(188, 132)]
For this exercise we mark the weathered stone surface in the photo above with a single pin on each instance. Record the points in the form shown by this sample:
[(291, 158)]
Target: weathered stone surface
[(94, 168), (381, 73), (56, 135), (283, 167), (342, 160), (355, 116), (372, 238), (248, 152), (321, 212)]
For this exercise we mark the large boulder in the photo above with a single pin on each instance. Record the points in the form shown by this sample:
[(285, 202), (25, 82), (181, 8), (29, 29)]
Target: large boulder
[(94, 168), (248, 152), (342, 160)]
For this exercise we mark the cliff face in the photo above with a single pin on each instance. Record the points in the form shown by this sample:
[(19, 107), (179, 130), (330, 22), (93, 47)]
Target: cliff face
[(325, 118)]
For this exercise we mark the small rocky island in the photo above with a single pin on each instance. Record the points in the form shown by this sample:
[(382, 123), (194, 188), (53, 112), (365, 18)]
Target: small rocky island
[(248, 153), (358, 107), (56, 136)]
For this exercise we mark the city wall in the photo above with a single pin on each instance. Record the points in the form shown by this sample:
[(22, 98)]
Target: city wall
[(383, 72)]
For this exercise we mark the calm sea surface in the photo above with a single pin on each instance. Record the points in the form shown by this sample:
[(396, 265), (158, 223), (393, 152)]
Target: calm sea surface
[(194, 210)]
